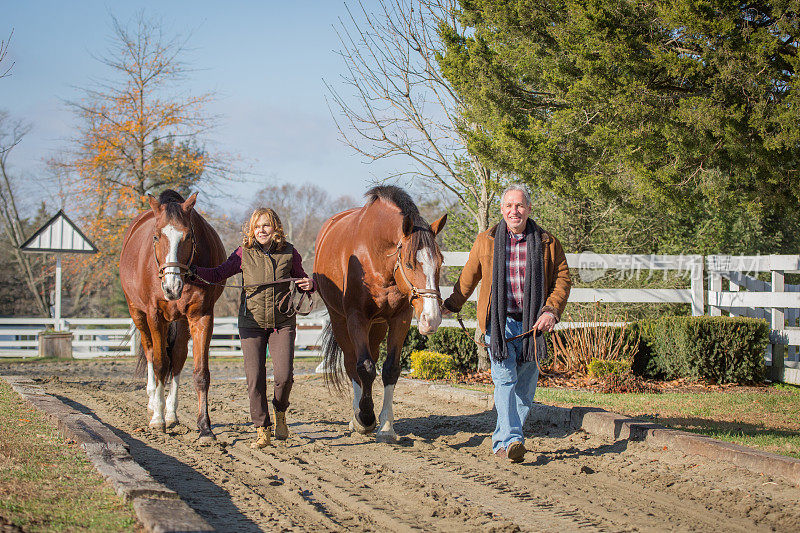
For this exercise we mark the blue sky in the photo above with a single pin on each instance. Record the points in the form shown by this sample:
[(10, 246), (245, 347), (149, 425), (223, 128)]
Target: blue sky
[(264, 60)]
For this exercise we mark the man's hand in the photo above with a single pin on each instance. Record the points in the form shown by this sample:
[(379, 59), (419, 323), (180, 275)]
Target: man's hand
[(546, 322), (305, 284)]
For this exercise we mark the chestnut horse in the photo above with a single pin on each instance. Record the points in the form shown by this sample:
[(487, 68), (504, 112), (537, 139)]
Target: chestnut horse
[(157, 250), (374, 267)]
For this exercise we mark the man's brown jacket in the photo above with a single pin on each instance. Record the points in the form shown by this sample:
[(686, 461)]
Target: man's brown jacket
[(479, 266)]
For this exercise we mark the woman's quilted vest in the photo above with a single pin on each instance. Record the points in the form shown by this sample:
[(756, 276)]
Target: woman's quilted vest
[(259, 306)]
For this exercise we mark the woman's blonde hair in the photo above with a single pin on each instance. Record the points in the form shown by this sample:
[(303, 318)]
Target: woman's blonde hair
[(248, 231)]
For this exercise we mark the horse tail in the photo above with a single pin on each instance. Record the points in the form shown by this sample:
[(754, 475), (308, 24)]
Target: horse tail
[(332, 356), (172, 336), (141, 360)]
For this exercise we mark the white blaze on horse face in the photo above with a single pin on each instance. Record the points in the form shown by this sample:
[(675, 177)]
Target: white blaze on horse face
[(431, 315), (172, 282)]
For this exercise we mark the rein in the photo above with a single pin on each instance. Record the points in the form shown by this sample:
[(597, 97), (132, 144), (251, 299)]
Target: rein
[(508, 339), (415, 292), (286, 305)]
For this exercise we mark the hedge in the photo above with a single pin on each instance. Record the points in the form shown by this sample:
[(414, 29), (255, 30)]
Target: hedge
[(452, 341), (719, 349)]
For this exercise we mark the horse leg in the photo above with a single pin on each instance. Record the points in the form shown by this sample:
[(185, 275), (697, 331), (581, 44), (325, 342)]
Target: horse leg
[(180, 349), (386, 417), (140, 321), (202, 327), (364, 421), (157, 370)]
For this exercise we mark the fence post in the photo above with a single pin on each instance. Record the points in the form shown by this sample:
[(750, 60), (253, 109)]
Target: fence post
[(698, 295), (714, 285), (778, 323)]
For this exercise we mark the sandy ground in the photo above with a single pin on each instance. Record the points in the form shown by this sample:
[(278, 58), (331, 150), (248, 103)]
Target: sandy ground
[(439, 477)]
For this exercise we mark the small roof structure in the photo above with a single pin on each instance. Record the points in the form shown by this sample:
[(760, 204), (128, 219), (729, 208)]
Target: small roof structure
[(59, 234)]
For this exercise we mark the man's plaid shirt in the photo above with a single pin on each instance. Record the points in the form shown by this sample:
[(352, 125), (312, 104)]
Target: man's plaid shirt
[(516, 257)]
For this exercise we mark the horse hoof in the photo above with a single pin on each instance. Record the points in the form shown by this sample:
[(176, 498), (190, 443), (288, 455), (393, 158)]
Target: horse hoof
[(159, 426), (356, 426), (390, 438), (171, 422), (206, 439)]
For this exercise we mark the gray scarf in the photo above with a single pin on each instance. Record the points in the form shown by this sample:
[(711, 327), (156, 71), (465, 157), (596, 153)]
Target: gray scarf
[(534, 343)]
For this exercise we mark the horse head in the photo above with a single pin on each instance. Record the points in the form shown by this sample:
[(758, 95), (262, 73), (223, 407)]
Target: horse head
[(416, 271), (173, 240)]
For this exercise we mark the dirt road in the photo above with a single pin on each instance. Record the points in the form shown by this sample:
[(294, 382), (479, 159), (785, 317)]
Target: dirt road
[(439, 477)]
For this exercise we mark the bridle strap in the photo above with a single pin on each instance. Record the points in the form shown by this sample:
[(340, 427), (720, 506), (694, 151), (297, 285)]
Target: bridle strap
[(182, 268), (415, 292)]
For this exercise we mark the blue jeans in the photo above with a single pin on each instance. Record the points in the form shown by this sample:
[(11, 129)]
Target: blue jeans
[(514, 386)]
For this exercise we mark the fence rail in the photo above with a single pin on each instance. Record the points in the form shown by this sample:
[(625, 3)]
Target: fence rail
[(775, 301)]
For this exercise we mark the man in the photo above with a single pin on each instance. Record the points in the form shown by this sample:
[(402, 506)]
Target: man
[(525, 288)]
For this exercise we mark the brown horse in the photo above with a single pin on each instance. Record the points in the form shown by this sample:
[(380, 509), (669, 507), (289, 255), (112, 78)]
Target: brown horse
[(374, 266), (157, 250)]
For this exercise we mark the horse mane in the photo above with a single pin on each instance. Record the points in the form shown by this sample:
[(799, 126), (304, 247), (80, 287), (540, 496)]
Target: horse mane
[(422, 235), (171, 200)]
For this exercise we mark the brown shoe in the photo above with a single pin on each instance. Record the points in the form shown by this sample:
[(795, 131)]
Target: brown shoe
[(262, 438), (516, 452), (281, 429)]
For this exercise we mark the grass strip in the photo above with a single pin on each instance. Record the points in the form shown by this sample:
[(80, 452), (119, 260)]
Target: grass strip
[(46, 481), (765, 419)]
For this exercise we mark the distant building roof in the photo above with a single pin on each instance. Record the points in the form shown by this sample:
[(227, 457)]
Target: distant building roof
[(59, 234)]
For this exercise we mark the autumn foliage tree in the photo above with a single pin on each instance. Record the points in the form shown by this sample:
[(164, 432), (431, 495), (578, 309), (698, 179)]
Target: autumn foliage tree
[(139, 134)]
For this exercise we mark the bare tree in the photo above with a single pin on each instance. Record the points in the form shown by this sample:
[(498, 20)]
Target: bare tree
[(302, 209), (30, 267), (401, 103), (5, 71)]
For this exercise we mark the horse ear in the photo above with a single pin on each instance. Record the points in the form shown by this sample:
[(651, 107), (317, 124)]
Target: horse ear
[(439, 224), (189, 203), (154, 205), (408, 225)]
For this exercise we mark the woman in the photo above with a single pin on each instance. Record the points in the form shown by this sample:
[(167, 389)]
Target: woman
[(264, 315)]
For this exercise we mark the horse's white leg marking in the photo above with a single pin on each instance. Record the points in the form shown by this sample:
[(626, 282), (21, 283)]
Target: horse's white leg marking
[(356, 396), (151, 387), (172, 281), (171, 416), (386, 419), (431, 316), (158, 406)]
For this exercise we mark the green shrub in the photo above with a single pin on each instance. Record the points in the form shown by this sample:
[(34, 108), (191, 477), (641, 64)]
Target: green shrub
[(603, 367), (452, 341), (719, 349), (431, 365), (459, 344)]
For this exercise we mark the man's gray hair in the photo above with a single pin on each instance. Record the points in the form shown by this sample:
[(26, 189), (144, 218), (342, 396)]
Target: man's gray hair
[(517, 187)]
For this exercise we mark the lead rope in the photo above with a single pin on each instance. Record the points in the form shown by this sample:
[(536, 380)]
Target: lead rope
[(509, 339)]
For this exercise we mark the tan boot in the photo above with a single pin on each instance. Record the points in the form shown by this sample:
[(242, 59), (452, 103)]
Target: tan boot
[(281, 429), (262, 438)]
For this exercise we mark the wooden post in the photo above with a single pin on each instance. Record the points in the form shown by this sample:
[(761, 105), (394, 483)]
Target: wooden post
[(714, 285), (778, 324), (55, 344), (698, 295), (57, 312)]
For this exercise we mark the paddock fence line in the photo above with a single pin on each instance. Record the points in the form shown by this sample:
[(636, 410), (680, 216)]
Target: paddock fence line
[(746, 295), (775, 301)]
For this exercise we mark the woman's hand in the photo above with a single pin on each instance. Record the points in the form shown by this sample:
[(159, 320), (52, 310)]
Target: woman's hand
[(306, 284)]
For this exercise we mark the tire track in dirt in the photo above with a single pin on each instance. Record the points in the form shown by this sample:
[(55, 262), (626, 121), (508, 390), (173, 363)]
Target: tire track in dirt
[(440, 476)]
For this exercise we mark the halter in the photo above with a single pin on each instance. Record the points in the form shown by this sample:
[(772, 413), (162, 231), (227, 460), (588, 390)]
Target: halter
[(415, 292), (182, 269)]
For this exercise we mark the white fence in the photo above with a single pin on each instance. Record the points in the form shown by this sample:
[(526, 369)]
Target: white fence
[(774, 301), (631, 264), (104, 337)]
